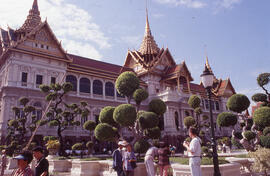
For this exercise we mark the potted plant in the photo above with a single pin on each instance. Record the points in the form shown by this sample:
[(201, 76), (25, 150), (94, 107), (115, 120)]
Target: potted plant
[(53, 146)]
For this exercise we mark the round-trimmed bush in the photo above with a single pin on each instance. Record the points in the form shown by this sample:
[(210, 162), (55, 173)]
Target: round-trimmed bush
[(53, 123), (194, 101), (265, 141), (157, 106), (105, 132), (125, 115), (148, 120), (266, 131), (89, 144), (153, 133), (205, 117), (226, 119), (238, 103), (23, 101), (236, 143), (67, 86), (106, 115), (140, 95), (127, 83), (77, 146), (249, 135), (261, 116), (259, 97), (89, 125), (13, 123), (198, 111), (189, 121), (141, 146)]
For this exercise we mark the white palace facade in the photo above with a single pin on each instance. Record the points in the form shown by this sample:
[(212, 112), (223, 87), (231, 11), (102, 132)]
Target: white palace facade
[(32, 55)]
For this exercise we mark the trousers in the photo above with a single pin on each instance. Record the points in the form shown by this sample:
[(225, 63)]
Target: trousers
[(195, 166), (149, 164)]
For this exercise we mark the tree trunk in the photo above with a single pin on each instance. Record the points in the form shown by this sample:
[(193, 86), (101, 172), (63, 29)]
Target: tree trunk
[(62, 148)]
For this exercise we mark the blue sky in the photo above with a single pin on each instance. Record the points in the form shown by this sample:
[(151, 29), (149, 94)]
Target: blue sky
[(235, 33)]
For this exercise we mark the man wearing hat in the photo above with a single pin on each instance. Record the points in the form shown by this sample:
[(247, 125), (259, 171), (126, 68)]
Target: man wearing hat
[(117, 159), (42, 166), (24, 159)]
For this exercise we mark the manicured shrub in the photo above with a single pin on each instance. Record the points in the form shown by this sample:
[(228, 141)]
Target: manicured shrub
[(105, 132), (238, 103), (89, 144), (194, 101), (226, 119), (157, 106), (153, 133), (141, 146), (89, 125), (127, 83), (205, 117), (261, 116), (140, 95), (106, 115), (77, 146), (148, 120), (266, 131), (265, 141), (189, 121), (125, 115), (249, 135), (259, 97)]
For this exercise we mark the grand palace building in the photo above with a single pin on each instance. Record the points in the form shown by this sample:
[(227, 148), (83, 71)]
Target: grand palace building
[(32, 55)]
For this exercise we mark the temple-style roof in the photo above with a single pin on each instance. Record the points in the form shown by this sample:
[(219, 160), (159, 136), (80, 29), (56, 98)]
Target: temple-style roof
[(33, 19), (148, 46)]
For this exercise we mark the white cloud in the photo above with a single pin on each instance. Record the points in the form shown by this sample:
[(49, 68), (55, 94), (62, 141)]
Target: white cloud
[(228, 4), (188, 3), (71, 24)]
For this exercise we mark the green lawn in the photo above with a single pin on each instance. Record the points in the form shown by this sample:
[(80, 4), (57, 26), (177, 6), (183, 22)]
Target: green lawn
[(241, 156), (205, 160)]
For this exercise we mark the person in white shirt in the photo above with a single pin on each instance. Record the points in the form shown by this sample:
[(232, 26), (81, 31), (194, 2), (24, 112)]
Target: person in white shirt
[(194, 152), (150, 155)]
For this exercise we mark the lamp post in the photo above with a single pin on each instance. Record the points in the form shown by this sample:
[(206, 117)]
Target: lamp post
[(207, 79)]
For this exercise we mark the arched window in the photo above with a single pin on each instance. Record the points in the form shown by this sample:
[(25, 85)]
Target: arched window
[(109, 89), (176, 120), (97, 87), (85, 85), (73, 80)]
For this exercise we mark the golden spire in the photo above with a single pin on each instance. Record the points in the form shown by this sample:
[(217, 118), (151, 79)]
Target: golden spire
[(207, 64), (148, 45), (33, 19)]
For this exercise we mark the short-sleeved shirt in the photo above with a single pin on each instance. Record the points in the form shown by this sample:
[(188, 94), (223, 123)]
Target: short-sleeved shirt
[(163, 156), (42, 166), (152, 151), (195, 147), (128, 156), (25, 172)]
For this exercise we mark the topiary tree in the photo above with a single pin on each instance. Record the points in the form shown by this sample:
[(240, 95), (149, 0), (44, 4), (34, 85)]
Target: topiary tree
[(189, 121), (261, 160), (252, 129), (21, 126), (89, 146), (238, 103), (126, 84), (141, 146), (226, 119), (78, 147), (142, 124), (60, 114)]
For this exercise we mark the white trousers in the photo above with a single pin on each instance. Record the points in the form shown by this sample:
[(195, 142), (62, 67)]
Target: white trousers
[(149, 164), (195, 166)]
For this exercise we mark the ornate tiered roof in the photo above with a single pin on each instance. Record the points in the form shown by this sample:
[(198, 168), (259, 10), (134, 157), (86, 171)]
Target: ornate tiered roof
[(33, 19), (148, 46)]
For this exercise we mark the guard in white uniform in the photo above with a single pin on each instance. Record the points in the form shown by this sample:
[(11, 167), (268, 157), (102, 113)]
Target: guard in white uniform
[(149, 160)]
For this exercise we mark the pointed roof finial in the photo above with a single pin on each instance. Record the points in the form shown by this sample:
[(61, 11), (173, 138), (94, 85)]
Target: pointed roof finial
[(207, 62), (148, 45), (33, 19)]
